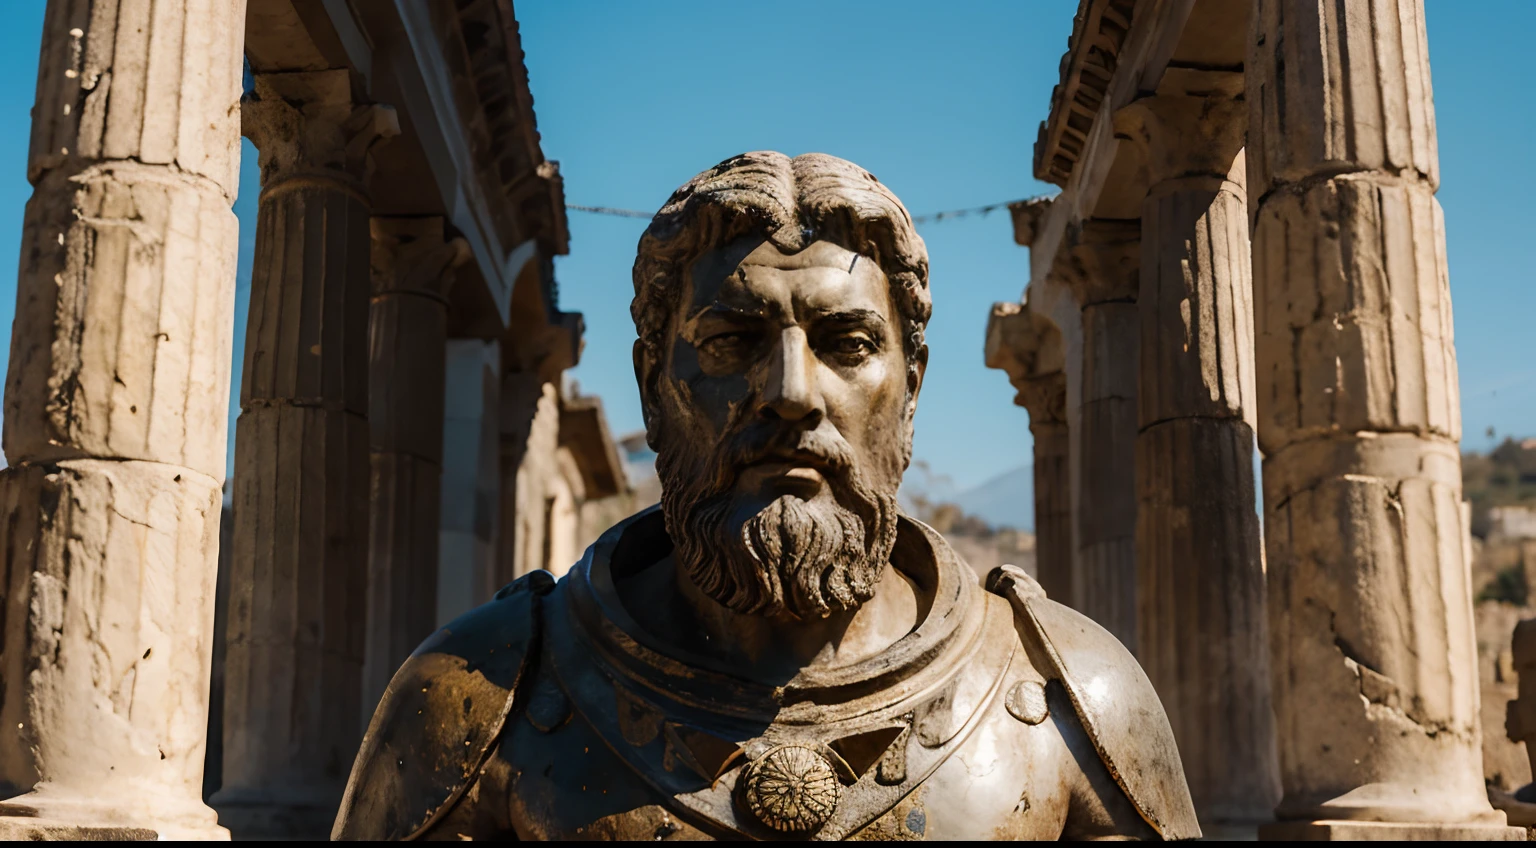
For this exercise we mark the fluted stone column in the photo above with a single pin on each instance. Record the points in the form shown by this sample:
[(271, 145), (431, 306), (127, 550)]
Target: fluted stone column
[(1104, 269), (1375, 666), (1029, 348), (115, 422), (472, 478), (1201, 629), (413, 267), (298, 575), (1045, 397)]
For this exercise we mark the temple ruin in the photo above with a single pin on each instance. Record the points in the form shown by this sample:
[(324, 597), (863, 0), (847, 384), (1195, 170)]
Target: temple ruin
[(403, 424), (1247, 244), (1246, 256)]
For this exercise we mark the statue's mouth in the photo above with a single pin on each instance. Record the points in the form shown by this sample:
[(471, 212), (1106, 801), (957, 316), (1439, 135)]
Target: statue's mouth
[(797, 473)]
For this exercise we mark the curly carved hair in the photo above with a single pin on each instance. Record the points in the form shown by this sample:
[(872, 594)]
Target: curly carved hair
[(794, 202)]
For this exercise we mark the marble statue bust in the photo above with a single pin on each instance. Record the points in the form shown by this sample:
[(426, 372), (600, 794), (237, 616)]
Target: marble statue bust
[(776, 651)]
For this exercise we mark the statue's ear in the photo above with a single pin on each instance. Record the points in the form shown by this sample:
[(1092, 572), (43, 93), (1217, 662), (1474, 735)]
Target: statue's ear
[(915, 372), (645, 377)]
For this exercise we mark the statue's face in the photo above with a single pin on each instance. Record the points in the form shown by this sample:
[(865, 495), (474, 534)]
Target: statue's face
[(782, 413)]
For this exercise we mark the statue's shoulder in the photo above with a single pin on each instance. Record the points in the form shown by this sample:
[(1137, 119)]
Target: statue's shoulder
[(441, 716), (1114, 700)]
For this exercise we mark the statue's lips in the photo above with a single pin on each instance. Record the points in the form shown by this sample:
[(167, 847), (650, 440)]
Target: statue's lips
[(796, 475)]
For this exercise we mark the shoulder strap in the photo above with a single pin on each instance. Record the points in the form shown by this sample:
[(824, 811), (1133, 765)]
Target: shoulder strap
[(1115, 701), (441, 716)]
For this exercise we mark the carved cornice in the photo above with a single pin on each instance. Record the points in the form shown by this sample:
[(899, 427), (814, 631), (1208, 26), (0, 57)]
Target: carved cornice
[(1099, 31), (482, 43)]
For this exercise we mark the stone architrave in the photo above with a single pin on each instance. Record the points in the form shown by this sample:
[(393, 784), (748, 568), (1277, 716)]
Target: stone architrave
[(1029, 348), (115, 422), (298, 574), (1375, 664), (1200, 617), (413, 265), (1103, 269)]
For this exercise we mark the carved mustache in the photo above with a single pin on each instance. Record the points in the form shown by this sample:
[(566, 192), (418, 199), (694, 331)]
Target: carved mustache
[(822, 447)]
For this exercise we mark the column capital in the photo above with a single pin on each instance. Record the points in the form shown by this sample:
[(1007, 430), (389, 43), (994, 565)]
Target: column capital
[(1046, 399), (1026, 215), (1183, 135), (414, 255), (1029, 348), (308, 122), (1102, 262)]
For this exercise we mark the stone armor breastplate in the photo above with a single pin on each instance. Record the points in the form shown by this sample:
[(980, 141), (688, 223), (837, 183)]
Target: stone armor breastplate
[(823, 756), (550, 714)]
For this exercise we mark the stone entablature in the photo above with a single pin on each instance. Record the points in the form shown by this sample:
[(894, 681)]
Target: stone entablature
[(1099, 31)]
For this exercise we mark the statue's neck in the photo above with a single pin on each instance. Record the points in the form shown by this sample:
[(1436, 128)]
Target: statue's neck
[(770, 649)]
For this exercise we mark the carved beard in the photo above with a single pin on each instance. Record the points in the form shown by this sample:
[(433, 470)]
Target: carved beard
[(805, 558)]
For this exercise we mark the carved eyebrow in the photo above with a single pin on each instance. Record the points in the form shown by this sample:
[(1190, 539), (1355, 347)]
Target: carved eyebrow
[(721, 312), (851, 316)]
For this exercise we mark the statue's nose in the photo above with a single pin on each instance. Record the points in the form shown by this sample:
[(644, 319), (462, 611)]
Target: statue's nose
[(790, 392)]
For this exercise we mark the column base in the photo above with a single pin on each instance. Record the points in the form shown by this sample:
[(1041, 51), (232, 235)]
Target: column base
[(277, 821), (17, 825), (1340, 830), (1230, 831), (44, 817), (15, 829)]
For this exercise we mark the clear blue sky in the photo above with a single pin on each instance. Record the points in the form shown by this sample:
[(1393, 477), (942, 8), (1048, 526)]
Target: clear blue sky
[(941, 101)]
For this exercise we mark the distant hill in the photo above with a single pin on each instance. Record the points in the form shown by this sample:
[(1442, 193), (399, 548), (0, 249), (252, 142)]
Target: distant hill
[(1007, 500), (1505, 476)]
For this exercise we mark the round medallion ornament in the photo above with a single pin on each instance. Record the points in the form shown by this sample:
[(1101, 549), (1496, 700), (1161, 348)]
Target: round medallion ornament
[(791, 789)]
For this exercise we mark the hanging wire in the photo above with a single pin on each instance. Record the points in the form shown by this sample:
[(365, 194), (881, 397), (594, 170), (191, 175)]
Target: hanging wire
[(930, 218), (609, 210)]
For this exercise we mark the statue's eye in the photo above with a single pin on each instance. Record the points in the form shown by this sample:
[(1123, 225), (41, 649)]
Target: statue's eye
[(725, 344), (855, 345)]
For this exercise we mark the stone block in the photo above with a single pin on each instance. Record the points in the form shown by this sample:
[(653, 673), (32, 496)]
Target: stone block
[(297, 604), (1376, 689), (125, 302), (1053, 510), (406, 338), (1108, 474), (155, 83), (1196, 305), (307, 332), (1353, 320), (107, 631), (1111, 352), (1371, 831), (1339, 87), (402, 566), (1202, 637), (1105, 585)]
